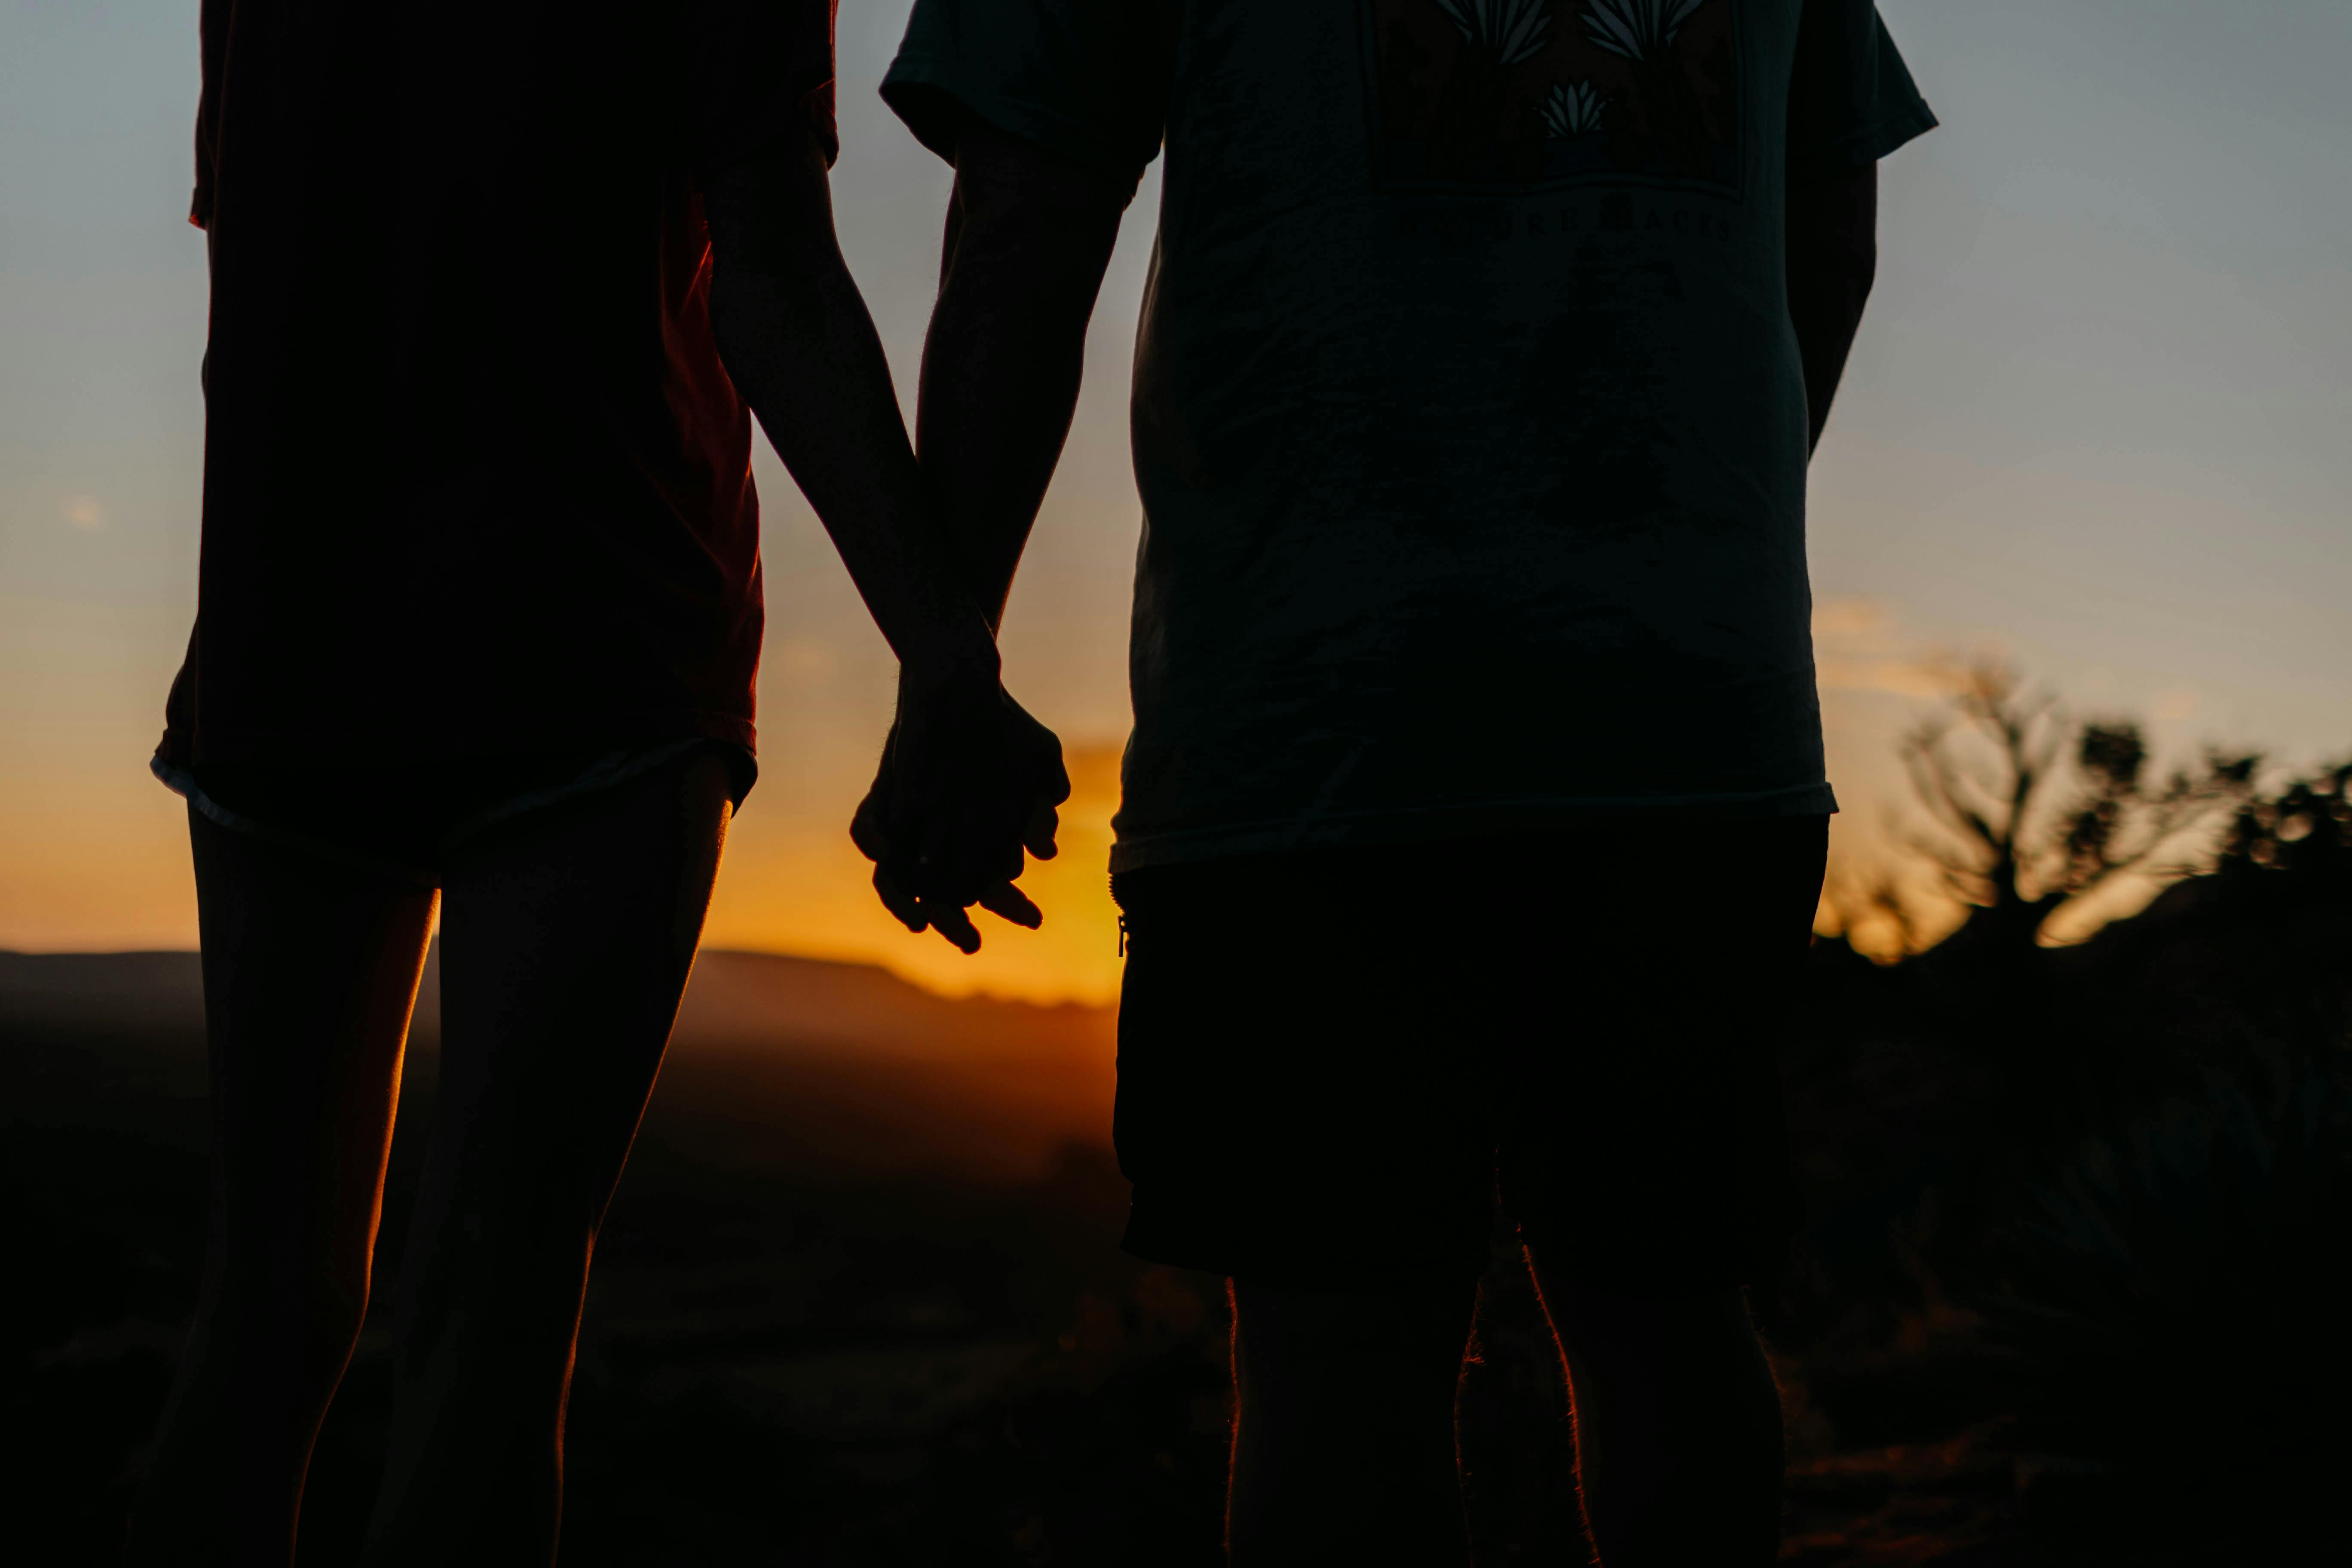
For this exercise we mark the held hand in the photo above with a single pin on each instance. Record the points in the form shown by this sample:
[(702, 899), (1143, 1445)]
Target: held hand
[(968, 782)]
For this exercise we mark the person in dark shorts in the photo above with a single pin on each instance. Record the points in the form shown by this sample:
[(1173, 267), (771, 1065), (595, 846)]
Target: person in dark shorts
[(496, 291), (1474, 817)]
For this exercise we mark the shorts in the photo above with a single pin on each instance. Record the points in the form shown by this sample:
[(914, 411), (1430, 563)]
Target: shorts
[(1333, 1062)]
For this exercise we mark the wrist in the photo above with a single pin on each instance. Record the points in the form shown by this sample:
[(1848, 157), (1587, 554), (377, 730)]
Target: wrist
[(966, 661)]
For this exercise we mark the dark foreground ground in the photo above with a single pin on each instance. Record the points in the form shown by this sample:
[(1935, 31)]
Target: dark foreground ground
[(831, 1323), (824, 1326)]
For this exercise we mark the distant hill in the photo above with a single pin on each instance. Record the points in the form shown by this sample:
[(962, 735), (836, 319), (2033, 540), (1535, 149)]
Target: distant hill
[(868, 1071), (103, 990), (817, 1068)]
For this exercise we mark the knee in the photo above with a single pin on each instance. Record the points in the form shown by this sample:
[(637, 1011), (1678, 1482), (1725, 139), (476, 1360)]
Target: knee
[(1687, 1362), (334, 1309), (323, 1327), (306, 1320), (1678, 1326), (1665, 1350), (1343, 1448)]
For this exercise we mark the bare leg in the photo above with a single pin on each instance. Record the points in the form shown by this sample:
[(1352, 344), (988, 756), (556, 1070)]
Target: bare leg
[(1678, 1447), (565, 947), (310, 971), (1343, 1438)]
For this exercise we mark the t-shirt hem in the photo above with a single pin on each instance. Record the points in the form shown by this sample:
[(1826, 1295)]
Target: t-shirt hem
[(602, 733), (606, 772), (1013, 115), (1427, 824)]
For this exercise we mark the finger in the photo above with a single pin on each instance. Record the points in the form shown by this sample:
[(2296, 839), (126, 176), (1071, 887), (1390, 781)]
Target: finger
[(865, 829), (955, 925), (1008, 902), (1000, 866), (869, 825), (1038, 836), (935, 870), (985, 850), (898, 898)]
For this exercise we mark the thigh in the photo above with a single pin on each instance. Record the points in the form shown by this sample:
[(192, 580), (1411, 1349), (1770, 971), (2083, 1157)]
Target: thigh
[(566, 941), (1300, 1071), (1644, 1144), (310, 970)]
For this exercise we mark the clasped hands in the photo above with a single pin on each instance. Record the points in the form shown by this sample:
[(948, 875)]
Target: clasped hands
[(968, 782)]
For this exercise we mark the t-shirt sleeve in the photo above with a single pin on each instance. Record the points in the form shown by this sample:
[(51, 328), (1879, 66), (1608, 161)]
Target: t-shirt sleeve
[(1088, 78), (1851, 97), (752, 68)]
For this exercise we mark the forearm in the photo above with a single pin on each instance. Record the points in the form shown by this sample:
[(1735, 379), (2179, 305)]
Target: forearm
[(1832, 260), (1028, 240), (801, 347)]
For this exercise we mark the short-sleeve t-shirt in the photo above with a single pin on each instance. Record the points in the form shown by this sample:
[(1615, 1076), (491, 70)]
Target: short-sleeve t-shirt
[(476, 485), (1469, 420)]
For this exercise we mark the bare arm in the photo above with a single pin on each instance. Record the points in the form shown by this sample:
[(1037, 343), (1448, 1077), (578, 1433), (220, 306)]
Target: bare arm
[(797, 340), (976, 777), (1832, 255), (1028, 236)]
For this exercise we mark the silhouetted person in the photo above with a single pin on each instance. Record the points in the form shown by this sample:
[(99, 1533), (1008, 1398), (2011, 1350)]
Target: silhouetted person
[(1475, 812), (480, 612)]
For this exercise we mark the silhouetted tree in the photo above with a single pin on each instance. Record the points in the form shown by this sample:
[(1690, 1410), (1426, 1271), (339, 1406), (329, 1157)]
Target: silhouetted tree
[(2304, 829), (2031, 810)]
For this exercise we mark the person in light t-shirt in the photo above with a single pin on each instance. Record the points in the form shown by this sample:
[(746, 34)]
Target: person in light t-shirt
[(1474, 816)]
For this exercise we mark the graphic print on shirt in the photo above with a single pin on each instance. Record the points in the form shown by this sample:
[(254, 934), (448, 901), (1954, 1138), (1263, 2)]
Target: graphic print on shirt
[(1496, 95)]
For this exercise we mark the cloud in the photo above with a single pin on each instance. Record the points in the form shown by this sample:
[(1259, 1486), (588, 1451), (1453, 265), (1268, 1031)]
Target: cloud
[(1851, 618), (1859, 646)]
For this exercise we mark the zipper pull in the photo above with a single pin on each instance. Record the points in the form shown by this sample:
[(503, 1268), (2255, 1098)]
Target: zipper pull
[(1122, 933)]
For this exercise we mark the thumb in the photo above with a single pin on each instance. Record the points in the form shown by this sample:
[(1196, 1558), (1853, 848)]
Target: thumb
[(865, 829), (1037, 837)]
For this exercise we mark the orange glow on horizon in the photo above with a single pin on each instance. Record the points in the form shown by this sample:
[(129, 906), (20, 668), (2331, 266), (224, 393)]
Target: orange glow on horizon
[(812, 894)]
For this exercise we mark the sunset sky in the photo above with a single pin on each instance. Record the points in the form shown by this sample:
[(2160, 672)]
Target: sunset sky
[(2097, 422)]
